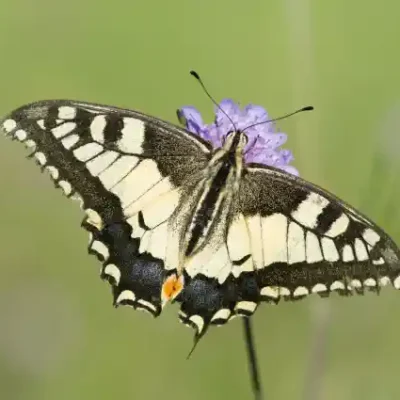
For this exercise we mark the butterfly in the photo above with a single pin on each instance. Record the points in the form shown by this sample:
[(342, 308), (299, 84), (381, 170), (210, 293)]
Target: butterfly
[(173, 218)]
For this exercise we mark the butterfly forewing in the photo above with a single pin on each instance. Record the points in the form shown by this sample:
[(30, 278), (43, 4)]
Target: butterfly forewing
[(127, 169), (305, 240)]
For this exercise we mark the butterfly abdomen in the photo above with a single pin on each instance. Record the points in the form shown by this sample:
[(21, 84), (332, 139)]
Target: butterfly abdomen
[(208, 208)]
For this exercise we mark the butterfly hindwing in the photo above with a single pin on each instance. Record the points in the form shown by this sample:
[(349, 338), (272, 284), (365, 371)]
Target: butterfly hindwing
[(305, 240), (286, 238), (122, 166)]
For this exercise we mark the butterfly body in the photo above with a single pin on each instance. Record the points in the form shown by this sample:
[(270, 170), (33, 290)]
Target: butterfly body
[(174, 218)]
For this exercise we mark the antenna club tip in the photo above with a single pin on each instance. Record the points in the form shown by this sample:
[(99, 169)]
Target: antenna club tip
[(308, 108), (195, 74)]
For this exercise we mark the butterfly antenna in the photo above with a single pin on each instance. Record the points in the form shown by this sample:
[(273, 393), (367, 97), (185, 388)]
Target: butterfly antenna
[(252, 359), (307, 108), (197, 76)]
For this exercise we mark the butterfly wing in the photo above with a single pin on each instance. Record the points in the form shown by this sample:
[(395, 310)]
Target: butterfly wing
[(281, 238), (286, 238), (128, 170), (305, 240)]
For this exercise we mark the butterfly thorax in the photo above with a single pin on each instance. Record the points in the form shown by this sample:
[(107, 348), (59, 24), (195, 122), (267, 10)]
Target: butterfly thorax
[(216, 195)]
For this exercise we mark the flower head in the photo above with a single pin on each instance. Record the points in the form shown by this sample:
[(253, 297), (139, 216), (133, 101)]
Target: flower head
[(263, 142)]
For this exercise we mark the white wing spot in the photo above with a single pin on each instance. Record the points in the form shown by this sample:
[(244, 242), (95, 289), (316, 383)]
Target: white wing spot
[(132, 136), (125, 295), (97, 128), (117, 171), (309, 209), (100, 163), (30, 143), (284, 291), (41, 158), (40, 123), (65, 186), (379, 261), (296, 244), (152, 194), (347, 253), (371, 237), (21, 135), (139, 180), (137, 231), (384, 281), (329, 249), (238, 239), (94, 218), (222, 314), (66, 112), (318, 288), (370, 282), (247, 306), (270, 291), (100, 248), (198, 322), (157, 245), (62, 130), (313, 248), (53, 171), (396, 283), (9, 125), (300, 291), (161, 209), (211, 262), (361, 250), (337, 285), (339, 226), (88, 151), (274, 234), (70, 141), (256, 243), (113, 271), (355, 283), (182, 315)]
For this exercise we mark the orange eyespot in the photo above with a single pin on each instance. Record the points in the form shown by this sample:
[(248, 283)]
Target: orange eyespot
[(172, 286)]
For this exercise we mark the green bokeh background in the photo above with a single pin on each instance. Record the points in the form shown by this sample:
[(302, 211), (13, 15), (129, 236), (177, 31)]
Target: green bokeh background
[(60, 338)]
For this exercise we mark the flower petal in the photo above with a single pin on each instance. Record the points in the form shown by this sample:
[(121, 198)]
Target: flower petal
[(214, 136), (264, 142), (286, 156), (229, 108), (272, 140), (255, 113), (191, 118)]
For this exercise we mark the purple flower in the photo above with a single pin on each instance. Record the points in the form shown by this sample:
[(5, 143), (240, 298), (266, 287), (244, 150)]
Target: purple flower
[(263, 142)]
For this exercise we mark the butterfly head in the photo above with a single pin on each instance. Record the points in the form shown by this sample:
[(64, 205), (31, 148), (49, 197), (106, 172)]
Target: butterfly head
[(235, 142)]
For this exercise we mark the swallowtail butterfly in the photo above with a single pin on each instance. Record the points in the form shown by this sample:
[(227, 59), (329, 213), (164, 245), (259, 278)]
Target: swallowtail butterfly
[(174, 219)]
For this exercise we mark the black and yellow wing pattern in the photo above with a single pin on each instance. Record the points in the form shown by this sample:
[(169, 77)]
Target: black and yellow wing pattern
[(172, 218)]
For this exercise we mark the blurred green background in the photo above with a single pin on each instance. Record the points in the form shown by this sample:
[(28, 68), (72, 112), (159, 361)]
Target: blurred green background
[(60, 338)]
